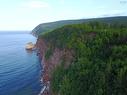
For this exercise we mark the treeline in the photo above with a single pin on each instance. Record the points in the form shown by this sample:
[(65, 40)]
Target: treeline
[(46, 27), (100, 63)]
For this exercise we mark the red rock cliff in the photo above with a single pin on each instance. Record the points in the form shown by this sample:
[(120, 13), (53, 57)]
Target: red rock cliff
[(50, 64)]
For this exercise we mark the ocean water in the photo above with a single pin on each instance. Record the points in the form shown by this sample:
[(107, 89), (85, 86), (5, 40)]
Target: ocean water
[(19, 69)]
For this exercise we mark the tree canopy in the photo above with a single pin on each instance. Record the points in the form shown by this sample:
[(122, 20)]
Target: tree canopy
[(100, 63)]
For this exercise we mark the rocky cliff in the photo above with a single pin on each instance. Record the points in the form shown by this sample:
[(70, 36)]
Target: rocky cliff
[(48, 65)]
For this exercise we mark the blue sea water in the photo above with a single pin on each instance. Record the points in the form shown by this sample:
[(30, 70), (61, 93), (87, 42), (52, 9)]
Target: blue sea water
[(19, 69)]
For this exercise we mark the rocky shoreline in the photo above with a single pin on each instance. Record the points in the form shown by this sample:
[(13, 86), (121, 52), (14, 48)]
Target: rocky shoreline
[(41, 48), (49, 65)]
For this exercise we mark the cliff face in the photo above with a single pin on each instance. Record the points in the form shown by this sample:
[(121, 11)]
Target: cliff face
[(52, 62)]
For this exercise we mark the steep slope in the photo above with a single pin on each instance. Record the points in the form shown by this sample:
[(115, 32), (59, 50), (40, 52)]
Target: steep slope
[(84, 59), (46, 27)]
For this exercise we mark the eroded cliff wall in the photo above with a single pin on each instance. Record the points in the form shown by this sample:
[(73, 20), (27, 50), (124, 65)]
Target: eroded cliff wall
[(55, 59)]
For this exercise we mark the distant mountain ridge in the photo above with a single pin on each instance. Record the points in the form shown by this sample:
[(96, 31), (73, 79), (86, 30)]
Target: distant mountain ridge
[(46, 27)]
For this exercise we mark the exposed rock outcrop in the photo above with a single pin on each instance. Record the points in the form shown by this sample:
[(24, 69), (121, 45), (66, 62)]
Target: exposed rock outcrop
[(50, 64), (30, 46)]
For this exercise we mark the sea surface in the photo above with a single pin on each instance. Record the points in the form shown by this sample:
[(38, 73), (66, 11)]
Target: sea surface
[(19, 69)]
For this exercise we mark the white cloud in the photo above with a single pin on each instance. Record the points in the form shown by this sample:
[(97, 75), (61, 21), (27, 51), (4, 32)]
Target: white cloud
[(114, 13), (123, 2), (35, 4)]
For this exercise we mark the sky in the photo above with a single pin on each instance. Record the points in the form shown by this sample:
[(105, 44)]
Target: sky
[(27, 14)]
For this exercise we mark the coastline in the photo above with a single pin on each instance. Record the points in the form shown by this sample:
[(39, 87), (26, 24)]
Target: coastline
[(44, 76), (49, 65), (45, 83)]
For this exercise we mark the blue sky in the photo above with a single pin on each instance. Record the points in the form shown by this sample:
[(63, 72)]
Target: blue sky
[(26, 14)]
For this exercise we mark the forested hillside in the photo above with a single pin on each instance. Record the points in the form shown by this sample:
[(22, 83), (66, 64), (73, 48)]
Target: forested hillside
[(46, 27), (99, 66)]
